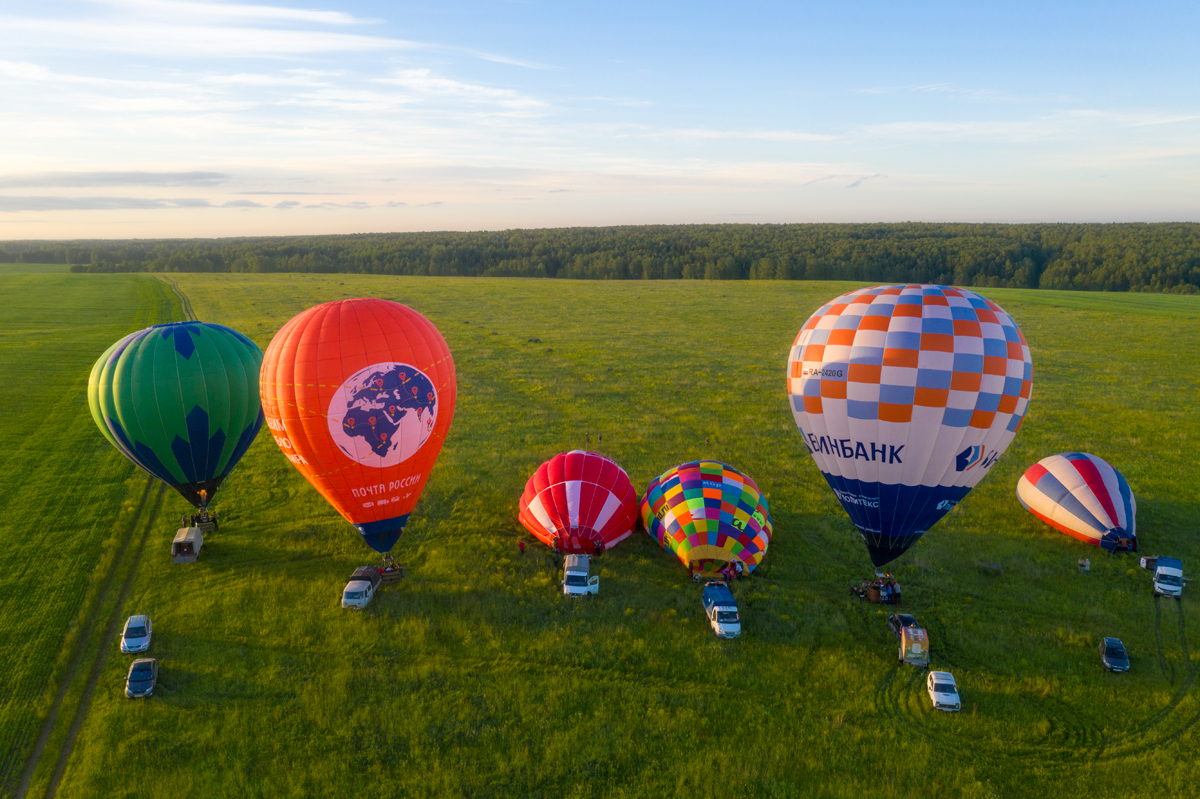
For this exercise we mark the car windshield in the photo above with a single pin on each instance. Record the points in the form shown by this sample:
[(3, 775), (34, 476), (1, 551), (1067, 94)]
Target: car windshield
[(944, 688), (1169, 579), (576, 579), (1115, 652), (141, 672), (354, 595), (135, 632), (727, 616)]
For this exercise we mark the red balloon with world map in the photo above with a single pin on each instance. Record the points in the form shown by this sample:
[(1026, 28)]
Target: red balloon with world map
[(359, 395)]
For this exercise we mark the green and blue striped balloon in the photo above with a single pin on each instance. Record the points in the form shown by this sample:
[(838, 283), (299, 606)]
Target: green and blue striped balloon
[(181, 401)]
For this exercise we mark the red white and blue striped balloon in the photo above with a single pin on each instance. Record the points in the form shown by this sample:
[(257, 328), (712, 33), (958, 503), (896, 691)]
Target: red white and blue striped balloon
[(1083, 496)]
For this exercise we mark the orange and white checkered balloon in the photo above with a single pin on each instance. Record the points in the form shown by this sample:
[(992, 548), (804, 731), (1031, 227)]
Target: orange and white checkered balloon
[(905, 397)]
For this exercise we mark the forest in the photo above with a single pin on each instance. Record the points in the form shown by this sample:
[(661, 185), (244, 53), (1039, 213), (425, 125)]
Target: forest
[(1162, 257)]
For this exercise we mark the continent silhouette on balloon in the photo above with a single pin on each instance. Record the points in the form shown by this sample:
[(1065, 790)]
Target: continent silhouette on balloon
[(383, 414)]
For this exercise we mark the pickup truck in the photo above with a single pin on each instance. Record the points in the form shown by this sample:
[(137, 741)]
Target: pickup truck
[(1168, 575), (721, 609), (576, 581), (361, 589)]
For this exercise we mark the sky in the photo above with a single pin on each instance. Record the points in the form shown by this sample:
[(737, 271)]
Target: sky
[(167, 118)]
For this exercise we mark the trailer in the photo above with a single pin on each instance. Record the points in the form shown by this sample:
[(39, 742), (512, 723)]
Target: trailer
[(186, 546)]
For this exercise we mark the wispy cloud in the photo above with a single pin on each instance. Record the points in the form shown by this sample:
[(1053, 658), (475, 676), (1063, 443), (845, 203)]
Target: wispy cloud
[(220, 12), (13, 204), (862, 180), (95, 179), (706, 133), (424, 83)]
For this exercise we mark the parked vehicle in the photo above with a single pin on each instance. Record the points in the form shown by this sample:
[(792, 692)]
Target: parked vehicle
[(136, 635), (576, 581), (1168, 575), (898, 621), (359, 592), (721, 609), (943, 691), (914, 646), (187, 544), (142, 677), (1113, 655)]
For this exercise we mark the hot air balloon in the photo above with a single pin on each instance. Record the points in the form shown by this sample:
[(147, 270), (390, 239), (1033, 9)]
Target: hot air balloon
[(579, 502), (180, 401), (1083, 496), (905, 397), (709, 514), (359, 395)]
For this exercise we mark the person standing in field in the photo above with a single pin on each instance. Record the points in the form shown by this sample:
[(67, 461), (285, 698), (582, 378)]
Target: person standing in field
[(521, 545)]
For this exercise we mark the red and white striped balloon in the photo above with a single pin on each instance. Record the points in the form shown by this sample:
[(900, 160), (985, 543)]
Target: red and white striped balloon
[(577, 500)]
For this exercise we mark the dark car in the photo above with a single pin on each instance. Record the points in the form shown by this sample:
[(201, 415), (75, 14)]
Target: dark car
[(1113, 655), (898, 621), (143, 674)]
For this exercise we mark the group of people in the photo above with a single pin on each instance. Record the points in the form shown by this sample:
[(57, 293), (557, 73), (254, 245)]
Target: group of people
[(881, 589)]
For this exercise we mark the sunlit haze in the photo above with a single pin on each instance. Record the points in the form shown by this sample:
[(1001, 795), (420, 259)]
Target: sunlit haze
[(153, 118)]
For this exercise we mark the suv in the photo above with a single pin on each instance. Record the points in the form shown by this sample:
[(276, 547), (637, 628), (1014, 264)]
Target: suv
[(136, 635), (898, 621), (1113, 655), (943, 691)]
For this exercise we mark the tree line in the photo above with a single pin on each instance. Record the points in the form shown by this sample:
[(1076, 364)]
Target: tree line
[(1100, 257)]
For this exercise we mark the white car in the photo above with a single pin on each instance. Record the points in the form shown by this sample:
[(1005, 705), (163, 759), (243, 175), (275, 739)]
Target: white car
[(943, 691), (136, 635)]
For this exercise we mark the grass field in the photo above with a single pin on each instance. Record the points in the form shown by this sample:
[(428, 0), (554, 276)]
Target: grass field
[(475, 678)]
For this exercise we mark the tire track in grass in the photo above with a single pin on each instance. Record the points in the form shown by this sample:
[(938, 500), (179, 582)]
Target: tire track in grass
[(1164, 665), (114, 628), (184, 302), (90, 623)]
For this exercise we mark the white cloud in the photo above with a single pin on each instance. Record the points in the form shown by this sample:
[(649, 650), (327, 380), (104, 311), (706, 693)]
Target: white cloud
[(216, 12), (175, 41)]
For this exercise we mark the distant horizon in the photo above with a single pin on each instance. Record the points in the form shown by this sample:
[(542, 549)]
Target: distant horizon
[(567, 227), (165, 119)]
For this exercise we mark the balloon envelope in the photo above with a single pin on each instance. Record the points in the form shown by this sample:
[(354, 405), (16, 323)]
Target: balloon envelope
[(577, 500), (359, 395), (906, 396), (709, 514), (1083, 496), (180, 400)]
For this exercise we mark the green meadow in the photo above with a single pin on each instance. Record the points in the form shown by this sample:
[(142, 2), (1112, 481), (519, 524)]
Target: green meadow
[(475, 678)]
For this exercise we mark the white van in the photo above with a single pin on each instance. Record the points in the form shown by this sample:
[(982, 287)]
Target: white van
[(576, 581)]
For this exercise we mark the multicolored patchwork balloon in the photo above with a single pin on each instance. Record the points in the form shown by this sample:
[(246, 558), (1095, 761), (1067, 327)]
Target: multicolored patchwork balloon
[(906, 396), (359, 395), (1083, 496), (578, 500), (709, 514), (181, 401)]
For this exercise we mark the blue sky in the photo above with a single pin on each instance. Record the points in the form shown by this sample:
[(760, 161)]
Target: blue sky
[(149, 118)]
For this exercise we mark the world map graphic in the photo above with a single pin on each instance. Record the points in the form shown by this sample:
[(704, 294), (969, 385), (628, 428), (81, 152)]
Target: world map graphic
[(383, 414)]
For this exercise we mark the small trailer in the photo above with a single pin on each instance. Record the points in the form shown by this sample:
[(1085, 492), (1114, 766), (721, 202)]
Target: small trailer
[(914, 646), (186, 546)]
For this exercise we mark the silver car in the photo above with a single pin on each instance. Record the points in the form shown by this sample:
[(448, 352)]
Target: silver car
[(136, 635), (143, 675)]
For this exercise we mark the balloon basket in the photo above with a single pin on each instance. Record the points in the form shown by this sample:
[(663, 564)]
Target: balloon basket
[(390, 572)]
